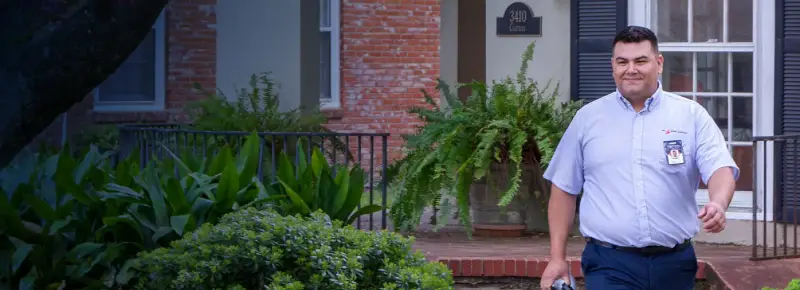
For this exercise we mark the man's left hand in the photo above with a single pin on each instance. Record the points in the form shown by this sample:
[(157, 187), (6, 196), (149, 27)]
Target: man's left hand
[(713, 217)]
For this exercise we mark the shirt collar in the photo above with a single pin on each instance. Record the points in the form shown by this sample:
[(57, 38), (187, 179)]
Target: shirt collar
[(650, 104)]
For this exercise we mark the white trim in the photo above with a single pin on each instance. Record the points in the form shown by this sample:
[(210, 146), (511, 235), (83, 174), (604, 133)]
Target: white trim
[(335, 29), (763, 47), (160, 78)]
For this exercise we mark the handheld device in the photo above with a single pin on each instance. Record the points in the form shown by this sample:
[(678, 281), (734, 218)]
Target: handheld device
[(562, 285)]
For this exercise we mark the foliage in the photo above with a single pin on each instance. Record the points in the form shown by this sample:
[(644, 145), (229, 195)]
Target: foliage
[(260, 249), (315, 185), (258, 109), (793, 285), (510, 124), (171, 197), (56, 228)]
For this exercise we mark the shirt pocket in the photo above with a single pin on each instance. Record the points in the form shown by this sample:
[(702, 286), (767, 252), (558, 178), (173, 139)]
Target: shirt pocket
[(688, 157)]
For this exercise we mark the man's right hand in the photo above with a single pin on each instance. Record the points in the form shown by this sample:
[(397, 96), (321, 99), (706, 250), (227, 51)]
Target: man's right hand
[(556, 269)]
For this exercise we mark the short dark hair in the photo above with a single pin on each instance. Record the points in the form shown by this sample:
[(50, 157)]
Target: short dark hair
[(636, 34)]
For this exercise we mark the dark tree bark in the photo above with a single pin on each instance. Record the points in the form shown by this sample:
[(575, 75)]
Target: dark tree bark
[(54, 52)]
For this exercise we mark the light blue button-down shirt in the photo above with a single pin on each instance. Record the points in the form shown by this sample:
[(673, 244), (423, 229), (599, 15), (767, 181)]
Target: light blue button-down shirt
[(632, 196)]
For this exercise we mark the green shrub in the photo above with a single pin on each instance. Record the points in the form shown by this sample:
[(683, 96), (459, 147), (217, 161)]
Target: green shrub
[(793, 285), (258, 249)]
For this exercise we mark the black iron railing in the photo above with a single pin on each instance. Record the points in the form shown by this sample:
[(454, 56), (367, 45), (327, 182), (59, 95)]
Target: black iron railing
[(775, 230), (347, 149)]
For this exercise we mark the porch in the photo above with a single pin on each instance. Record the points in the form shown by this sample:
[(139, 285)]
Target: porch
[(724, 266)]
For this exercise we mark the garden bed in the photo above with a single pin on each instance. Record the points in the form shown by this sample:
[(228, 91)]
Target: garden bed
[(519, 283)]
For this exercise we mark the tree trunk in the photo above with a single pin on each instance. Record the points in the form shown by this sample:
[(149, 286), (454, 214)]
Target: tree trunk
[(55, 52)]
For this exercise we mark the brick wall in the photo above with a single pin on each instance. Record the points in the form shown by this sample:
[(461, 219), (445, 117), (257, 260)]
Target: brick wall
[(389, 52)]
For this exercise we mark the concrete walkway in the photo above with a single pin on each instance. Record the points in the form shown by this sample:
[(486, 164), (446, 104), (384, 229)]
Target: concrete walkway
[(526, 257)]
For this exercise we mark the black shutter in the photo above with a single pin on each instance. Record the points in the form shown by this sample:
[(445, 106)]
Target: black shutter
[(594, 25), (787, 103)]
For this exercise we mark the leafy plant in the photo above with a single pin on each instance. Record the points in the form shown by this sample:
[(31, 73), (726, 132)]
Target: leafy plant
[(257, 109), (793, 285), (57, 231), (169, 197), (318, 186), (508, 125), (260, 249)]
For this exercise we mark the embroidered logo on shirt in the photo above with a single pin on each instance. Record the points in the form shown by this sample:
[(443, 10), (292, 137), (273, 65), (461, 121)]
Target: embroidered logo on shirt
[(670, 131)]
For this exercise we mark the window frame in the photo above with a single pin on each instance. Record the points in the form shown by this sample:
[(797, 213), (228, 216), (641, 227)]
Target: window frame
[(160, 80), (335, 31), (763, 49)]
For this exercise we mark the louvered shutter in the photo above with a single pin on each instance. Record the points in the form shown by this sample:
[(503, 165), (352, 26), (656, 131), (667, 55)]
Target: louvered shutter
[(787, 99), (594, 25)]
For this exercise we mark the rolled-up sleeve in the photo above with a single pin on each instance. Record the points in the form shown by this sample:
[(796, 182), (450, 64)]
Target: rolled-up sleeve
[(712, 150), (565, 169)]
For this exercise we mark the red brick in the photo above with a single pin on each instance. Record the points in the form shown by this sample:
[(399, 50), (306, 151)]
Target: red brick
[(389, 52), (509, 267), (533, 268), (493, 267), (520, 268), (701, 270), (455, 266)]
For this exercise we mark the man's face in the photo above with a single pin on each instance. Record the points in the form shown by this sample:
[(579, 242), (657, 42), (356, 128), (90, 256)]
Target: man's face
[(636, 68)]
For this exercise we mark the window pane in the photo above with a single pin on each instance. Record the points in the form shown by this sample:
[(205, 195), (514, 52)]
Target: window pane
[(671, 20), (707, 21), (743, 156), (712, 72), (325, 13), (134, 80), (740, 20), (742, 118), (717, 107), (677, 75), (325, 65), (742, 65)]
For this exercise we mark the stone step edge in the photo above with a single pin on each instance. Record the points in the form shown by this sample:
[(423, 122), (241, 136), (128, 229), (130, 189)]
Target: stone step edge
[(528, 267)]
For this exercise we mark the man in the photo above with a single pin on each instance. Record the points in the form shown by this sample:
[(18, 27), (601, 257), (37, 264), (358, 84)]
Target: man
[(638, 154)]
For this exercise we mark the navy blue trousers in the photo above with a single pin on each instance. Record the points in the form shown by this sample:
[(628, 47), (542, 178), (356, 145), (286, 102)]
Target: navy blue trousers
[(611, 269)]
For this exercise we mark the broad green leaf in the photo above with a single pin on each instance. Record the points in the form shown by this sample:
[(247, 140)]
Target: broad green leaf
[(297, 202), (156, 196), (318, 163), (29, 280), (84, 249), (286, 170), (59, 224), (20, 254), (220, 161), (356, 190), (228, 187), (126, 219), (248, 159), (41, 208), (176, 197), (125, 273), (200, 208), (180, 222), (343, 183), (363, 211), (160, 233)]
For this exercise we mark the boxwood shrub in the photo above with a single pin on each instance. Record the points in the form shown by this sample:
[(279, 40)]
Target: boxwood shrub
[(260, 249)]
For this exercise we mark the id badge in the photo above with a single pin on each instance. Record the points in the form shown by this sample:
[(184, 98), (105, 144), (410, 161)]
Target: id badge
[(674, 152)]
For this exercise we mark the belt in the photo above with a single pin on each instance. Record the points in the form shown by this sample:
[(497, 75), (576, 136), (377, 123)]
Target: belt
[(645, 250)]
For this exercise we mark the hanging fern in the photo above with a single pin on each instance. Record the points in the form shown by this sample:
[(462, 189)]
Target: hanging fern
[(512, 123)]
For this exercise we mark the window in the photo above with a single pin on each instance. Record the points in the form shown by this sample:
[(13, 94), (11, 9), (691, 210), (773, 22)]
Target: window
[(329, 53), (708, 49), (137, 84)]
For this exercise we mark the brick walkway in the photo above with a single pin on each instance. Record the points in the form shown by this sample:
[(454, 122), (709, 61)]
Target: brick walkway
[(526, 257)]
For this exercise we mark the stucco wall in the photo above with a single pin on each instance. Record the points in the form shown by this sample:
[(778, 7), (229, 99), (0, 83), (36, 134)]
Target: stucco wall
[(551, 60)]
